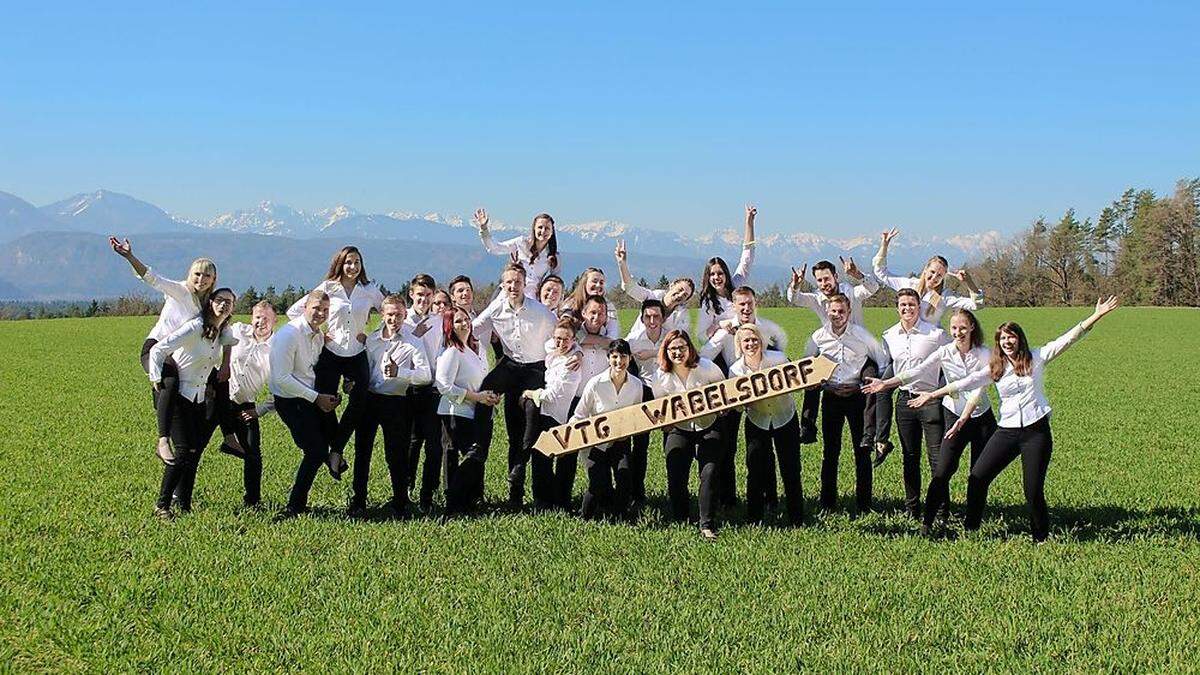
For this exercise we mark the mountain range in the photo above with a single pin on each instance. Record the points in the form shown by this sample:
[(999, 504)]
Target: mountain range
[(59, 251)]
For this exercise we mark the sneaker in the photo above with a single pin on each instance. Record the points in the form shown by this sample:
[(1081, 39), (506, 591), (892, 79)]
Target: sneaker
[(163, 514)]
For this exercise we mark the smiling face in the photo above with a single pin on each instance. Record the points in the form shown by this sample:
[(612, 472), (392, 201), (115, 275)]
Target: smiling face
[(750, 344), (462, 294), (745, 307), (677, 351), (262, 320), (838, 314), (563, 340), (551, 294), (222, 304), (513, 284), (678, 293), (827, 281), (906, 307), (960, 330), (462, 325), (594, 285), (422, 299), (617, 362), (394, 314), (934, 273), (652, 319), (595, 316), (316, 311), (440, 302), (716, 276), (351, 266), (543, 229), (201, 276), (1009, 342)]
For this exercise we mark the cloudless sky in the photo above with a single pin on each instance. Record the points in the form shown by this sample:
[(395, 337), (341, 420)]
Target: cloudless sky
[(937, 118)]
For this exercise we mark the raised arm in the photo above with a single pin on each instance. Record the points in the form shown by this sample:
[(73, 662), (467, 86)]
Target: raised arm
[(125, 250), (1054, 348), (741, 275), (485, 235), (867, 285), (880, 263)]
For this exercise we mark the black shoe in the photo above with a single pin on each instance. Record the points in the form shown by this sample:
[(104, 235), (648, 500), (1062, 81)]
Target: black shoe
[(914, 512), (336, 464), (253, 504), (357, 511), (882, 449), (163, 513), (230, 450), (285, 515), (401, 512), (926, 531)]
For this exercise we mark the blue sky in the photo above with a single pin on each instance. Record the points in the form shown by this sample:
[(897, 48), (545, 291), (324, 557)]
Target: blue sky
[(938, 118)]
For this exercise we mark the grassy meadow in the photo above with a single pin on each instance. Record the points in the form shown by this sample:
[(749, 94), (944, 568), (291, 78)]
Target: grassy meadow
[(91, 581)]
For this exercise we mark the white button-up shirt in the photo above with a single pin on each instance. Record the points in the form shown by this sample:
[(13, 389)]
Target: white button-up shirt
[(600, 395), (648, 368), (1022, 397), (555, 398), (594, 362), (536, 269), (249, 364), (459, 371), (348, 315), (722, 342), (908, 348), (433, 341), (294, 351), (929, 311), (724, 308), (849, 351), (818, 301), (955, 366), (705, 372), (179, 304), (770, 413), (195, 357), (407, 352), (523, 332), (678, 319)]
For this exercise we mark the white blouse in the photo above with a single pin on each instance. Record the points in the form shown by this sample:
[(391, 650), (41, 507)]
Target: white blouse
[(195, 357), (705, 372), (741, 277), (818, 301), (722, 342), (179, 307), (600, 395), (955, 366), (561, 386), (678, 319), (348, 315), (1022, 397), (770, 413), (249, 364), (929, 312), (536, 269), (459, 371)]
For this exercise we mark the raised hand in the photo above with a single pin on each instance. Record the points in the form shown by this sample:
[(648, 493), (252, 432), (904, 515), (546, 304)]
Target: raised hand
[(850, 267), (959, 274), (1105, 306), (121, 248), (481, 219), (422, 327), (514, 258), (621, 254), (886, 237), (798, 276), (751, 212)]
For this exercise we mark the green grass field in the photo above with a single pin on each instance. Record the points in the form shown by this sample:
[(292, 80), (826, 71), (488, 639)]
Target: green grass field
[(91, 581)]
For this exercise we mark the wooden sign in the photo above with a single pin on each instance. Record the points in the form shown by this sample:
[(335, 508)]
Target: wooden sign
[(728, 394)]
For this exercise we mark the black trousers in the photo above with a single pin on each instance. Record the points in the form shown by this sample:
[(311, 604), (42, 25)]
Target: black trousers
[(911, 425), (638, 454), (682, 446), (1034, 443), (834, 411), (191, 427), (163, 399), (877, 409), (250, 436), (609, 482), (466, 458), (305, 421), (424, 430), (393, 415), (976, 431), (759, 476), (553, 477), (329, 370), (511, 378)]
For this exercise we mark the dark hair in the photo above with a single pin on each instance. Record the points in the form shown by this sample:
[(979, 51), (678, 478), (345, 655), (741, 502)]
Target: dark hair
[(212, 329), (840, 298), (595, 298), (551, 245), (461, 279), (339, 259), (664, 364), (620, 346), (744, 290), (549, 279), (709, 293), (651, 303), (824, 265), (908, 293), (976, 329), (424, 281), (451, 337), (1022, 361)]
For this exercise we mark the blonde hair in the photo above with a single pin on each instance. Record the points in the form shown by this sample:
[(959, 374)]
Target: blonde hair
[(205, 266), (748, 328)]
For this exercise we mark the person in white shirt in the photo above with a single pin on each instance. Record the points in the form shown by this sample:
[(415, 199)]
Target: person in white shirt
[(424, 323), (197, 347), (645, 348), (550, 293), (674, 298), (524, 326), (717, 284), (680, 369), (295, 351), (592, 283), (970, 411), (459, 376), (462, 293), (352, 296), (908, 343), (849, 346), (769, 422), (398, 363), (610, 481), (249, 370), (1024, 426), (723, 345), (182, 301), (536, 252), (930, 285), (554, 478)]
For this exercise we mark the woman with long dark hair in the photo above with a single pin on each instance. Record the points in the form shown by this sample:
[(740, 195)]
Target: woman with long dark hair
[(352, 296), (717, 284), (537, 251), (197, 348), (1024, 428)]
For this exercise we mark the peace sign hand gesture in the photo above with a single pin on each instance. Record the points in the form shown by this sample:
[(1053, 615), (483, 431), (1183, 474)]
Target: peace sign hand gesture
[(481, 219), (620, 252), (751, 212)]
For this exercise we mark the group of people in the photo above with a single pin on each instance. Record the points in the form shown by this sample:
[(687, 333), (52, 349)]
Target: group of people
[(433, 372)]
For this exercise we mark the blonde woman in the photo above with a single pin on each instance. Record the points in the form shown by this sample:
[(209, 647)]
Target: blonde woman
[(930, 285)]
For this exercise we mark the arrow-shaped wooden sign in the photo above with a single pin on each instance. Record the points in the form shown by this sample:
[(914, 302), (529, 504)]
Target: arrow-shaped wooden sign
[(734, 392)]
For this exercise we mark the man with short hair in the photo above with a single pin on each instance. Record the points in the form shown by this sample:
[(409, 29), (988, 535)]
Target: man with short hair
[(645, 340), (425, 325)]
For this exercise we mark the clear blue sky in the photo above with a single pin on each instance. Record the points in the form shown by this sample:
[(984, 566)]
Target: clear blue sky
[(938, 119)]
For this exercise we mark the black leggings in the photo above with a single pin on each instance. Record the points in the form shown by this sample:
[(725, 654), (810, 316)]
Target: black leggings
[(1034, 444), (609, 482), (553, 477), (328, 372), (163, 399), (466, 458), (392, 413), (191, 427), (249, 435), (759, 464), (975, 431), (834, 411), (682, 446)]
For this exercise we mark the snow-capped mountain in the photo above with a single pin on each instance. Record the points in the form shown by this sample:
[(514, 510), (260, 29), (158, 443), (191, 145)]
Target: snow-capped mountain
[(107, 211)]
